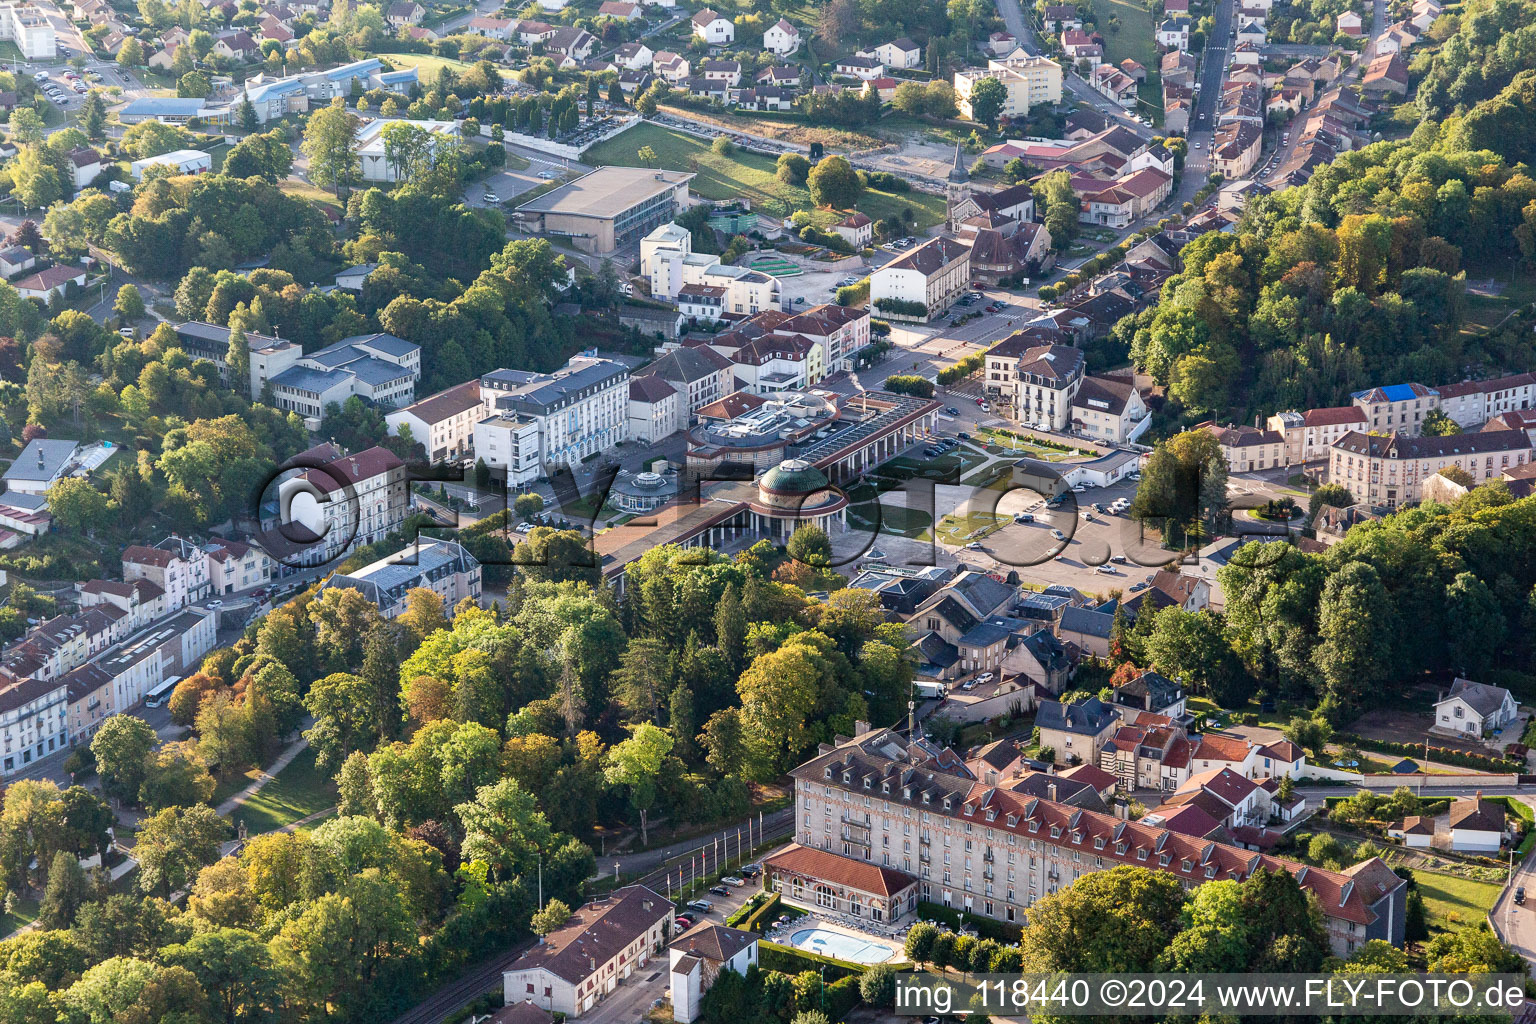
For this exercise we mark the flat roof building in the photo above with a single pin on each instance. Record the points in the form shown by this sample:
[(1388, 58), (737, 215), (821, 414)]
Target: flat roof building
[(608, 208)]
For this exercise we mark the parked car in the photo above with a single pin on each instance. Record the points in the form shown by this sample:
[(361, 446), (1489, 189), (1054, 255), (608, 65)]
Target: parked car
[(1058, 535), (963, 436), (702, 906), (719, 890), (682, 924), (973, 546), (952, 410), (1107, 570), (1520, 895), (751, 870), (1023, 517), (1117, 559), (733, 880)]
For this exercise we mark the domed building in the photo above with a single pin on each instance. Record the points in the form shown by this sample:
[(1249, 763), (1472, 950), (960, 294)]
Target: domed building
[(642, 492), (793, 494)]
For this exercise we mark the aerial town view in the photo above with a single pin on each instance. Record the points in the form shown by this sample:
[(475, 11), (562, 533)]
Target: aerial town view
[(766, 511)]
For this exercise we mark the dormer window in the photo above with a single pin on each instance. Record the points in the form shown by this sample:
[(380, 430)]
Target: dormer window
[(1120, 849), (926, 798), (847, 777), (947, 803), (1055, 831), (1098, 844), (1034, 826), (829, 773), (1141, 854), (1210, 872), (991, 814), (885, 787), (1162, 860), (1186, 864)]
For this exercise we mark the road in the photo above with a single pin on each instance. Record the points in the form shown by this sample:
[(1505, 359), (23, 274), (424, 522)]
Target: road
[(1516, 924), (1285, 157)]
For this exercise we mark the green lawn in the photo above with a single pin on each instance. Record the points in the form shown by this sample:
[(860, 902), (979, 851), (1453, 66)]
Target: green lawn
[(1445, 895), (24, 914), (428, 63), (1135, 38), (893, 519), (743, 175), (297, 791), (971, 526)]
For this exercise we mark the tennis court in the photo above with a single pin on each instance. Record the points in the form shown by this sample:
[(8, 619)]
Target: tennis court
[(777, 266)]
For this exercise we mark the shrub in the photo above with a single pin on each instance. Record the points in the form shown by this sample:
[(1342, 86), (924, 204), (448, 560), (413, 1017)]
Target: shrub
[(900, 307)]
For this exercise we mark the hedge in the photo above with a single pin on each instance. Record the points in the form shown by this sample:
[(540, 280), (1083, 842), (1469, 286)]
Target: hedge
[(902, 307), (773, 957), (984, 926), (756, 918), (1444, 755)]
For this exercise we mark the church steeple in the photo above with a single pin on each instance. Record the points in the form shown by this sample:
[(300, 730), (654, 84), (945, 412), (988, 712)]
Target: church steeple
[(958, 174), (960, 205)]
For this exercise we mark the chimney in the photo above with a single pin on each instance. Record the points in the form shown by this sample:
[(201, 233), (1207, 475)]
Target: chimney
[(860, 728), (1050, 792)]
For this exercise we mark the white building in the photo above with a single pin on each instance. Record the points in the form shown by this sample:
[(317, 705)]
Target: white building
[(781, 38), (931, 276), (656, 409), (33, 721), (235, 567), (29, 28), (533, 422), (346, 500), (713, 28), (1477, 824), (41, 464), (699, 956), (444, 423), (898, 53), (1471, 709), (668, 262), (175, 565), (1029, 81), (373, 152), (441, 566), (1037, 382), (576, 966), (181, 161), (378, 367)]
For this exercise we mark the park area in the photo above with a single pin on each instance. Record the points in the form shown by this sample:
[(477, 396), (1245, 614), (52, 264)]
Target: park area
[(1451, 901), (750, 176), (294, 793)]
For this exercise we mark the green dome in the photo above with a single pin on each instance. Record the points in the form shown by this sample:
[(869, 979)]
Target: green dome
[(793, 476)]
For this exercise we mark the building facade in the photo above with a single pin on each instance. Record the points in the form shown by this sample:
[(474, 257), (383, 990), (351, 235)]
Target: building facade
[(1390, 470)]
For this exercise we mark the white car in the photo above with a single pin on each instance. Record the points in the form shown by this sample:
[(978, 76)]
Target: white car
[(733, 880), (985, 677), (1058, 535), (1106, 570)]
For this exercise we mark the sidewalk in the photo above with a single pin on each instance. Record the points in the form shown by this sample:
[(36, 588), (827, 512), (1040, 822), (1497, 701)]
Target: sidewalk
[(283, 760)]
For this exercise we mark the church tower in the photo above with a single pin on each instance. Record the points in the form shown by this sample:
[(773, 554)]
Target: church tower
[(960, 204)]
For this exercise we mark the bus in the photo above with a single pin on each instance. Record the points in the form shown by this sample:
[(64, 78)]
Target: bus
[(162, 693)]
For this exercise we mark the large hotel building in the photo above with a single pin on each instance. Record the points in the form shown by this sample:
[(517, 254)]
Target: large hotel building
[(881, 823)]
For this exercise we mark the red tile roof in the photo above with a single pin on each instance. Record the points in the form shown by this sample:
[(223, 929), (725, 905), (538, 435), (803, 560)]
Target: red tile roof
[(860, 875)]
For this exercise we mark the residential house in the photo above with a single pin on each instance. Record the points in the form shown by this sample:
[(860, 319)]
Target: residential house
[(1075, 732), (1247, 449), (1472, 709), (1310, 435), (1477, 824), (1059, 18), (900, 53), (714, 28), (1173, 33), (175, 565), (862, 68), (405, 12), (1386, 75), (14, 259), (623, 10), (580, 963), (84, 165), (1110, 409), (634, 56), (1035, 382), (856, 229), (55, 280), (698, 957), (782, 38)]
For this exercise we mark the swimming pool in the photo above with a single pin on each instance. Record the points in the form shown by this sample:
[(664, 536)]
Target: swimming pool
[(840, 946)]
